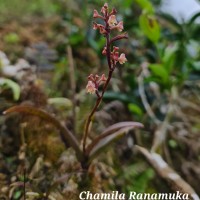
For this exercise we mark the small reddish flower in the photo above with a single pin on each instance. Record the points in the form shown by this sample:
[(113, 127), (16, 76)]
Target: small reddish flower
[(122, 59), (96, 14), (115, 48), (95, 26), (102, 29), (120, 26), (112, 20), (103, 78), (91, 78), (115, 56), (104, 9), (90, 88), (93, 83), (113, 12), (105, 5), (104, 51), (96, 77)]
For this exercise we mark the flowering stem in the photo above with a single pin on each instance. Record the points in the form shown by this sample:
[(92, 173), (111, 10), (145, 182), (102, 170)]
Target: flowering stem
[(110, 23), (98, 101), (100, 97)]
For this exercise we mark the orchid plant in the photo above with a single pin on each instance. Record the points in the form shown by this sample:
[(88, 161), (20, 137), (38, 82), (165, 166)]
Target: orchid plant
[(87, 152)]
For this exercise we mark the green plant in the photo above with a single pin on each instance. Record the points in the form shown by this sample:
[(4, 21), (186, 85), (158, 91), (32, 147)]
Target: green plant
[(7, 83), (89, 151), (148, 21)]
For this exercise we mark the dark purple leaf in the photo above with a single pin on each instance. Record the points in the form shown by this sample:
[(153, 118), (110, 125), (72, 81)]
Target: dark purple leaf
[(109, 135)]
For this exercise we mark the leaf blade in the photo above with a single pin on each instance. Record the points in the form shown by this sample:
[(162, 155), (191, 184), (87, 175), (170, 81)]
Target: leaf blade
[(150, 26), (109, 135), (13, 86), (159, 71)]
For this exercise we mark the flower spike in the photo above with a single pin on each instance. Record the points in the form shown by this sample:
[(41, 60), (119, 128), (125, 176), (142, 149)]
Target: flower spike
[(113, 57)]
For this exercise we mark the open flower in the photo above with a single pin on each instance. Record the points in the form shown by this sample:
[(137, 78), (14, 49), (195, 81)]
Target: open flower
[(90, 88), (120, 26), (122, 59), (112, 20), (100, 27)]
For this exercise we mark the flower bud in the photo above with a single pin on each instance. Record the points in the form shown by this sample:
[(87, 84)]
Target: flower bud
[(91, 77), (96, 77), (103, 77), (113, 12), (104, 9), (115, 48), (105, 5), (115, 56), (104, 52), (95, 14)]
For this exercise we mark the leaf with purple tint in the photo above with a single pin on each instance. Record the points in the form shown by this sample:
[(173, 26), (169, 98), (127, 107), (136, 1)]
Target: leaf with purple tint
[(111, 134)]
